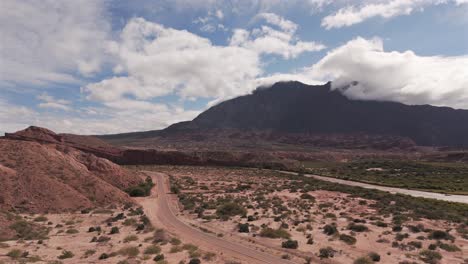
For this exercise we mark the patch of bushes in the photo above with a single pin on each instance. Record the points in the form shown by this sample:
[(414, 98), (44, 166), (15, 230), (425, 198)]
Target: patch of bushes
[(230, 209), (66, 254), (244, 228), (130, 238), (28, 231), (330, 230), (357, 227), (327, 252), (293, 244), (274, 233), (449, 247), (350, 240), (440, 235), (363, 260), (430, 256), (142, 189), (129, 251)]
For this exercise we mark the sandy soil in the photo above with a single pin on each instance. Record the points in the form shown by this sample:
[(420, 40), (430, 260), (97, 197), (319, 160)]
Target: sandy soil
[(304, 219)]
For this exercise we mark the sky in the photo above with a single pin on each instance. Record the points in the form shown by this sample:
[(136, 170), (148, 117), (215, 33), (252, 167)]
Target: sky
[(109, 66)]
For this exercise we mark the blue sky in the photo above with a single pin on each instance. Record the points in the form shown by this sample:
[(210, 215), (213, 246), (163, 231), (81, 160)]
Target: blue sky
[(95, 67)]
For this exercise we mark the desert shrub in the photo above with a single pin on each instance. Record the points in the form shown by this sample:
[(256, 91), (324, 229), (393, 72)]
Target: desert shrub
[(449, 247), (415, 244), (290, 244), (274, 233), (307, 196), (194, 261), (189, 247), (72, 231), (381, 224), (230, 209), (129, 251), (129, 222), (330, 230), (175, 241), (158, 257), (327, 252), (357, 228), (400, 236), (104, 256), (142, 189), (209, 256), (114, 230), (243, 228), (310, 241), (175, 249), (440, 235), (66, 254), (160, 236), (28, 231), (363, 260), (102, 239), (14, 253), (350, 240), (130, 238), (397, 228), (374, 256), (432, 247), (89, 252), (429, 256), (40, 219)]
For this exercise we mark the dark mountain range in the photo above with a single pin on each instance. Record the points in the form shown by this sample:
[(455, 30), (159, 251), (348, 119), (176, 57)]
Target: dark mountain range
[(293, 108)]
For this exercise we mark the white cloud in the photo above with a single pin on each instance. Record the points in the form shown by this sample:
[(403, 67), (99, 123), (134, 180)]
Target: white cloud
[(395, 76), (354, 14), (50, 41), (266, 40), (158, 61), (51, 102)]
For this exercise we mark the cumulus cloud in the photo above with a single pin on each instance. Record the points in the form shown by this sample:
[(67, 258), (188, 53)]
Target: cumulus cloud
[(354, 14), (267, 40), (158, 61), (394, 76), (51, 102), (50, 41)]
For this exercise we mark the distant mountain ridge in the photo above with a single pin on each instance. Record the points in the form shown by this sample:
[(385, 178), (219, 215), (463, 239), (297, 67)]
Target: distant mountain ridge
[(297, 108)]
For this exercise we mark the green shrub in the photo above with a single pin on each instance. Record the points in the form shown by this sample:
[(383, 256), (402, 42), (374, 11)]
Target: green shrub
[(350, 240), (363, 260), (274, 233), (374, 256), (114, 230), (327, 252), (141, 190), (290, 244), (230, 209), (440, 235), (130, 238), (40, 219), (243, 228), (66, 254), (14, 253), (430, 256), (330, 230), (357, 228), (129, 251), (158, 257), (152, 249), (449, 247), (72, 231), (194, 261)]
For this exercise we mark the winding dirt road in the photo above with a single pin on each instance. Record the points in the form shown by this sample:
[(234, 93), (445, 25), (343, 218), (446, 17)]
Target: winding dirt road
[(159, 208)]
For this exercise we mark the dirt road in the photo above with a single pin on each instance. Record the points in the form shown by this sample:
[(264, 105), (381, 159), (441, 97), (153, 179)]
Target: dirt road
[(159, 208)]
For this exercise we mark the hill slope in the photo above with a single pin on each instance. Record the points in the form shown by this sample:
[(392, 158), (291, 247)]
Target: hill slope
[(54, 177)]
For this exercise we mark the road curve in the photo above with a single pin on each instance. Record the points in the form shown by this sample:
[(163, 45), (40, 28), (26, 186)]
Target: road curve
[(394, 190), (160, 208)]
